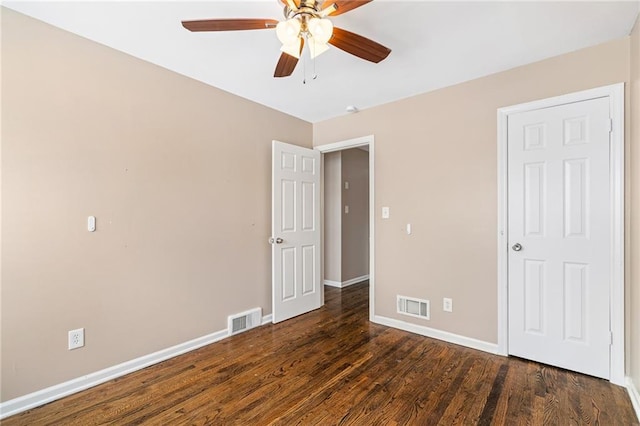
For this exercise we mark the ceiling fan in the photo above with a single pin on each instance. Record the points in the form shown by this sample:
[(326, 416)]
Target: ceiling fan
[(306, 20)]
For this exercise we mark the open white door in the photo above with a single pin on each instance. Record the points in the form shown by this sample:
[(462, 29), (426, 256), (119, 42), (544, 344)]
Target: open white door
[(295, 231)]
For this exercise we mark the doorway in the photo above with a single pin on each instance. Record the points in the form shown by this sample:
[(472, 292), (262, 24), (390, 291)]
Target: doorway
[(348, 200), (346, 217)]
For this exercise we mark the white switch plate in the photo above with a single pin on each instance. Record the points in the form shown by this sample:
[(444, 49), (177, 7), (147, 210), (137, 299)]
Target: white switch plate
[(408, 229), (91, 223), (346, 185), (346, 209), (385, 212), (447, 304)]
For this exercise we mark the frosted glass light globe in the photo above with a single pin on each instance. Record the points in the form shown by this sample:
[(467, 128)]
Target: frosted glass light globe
[(288, 31), (320, 29)]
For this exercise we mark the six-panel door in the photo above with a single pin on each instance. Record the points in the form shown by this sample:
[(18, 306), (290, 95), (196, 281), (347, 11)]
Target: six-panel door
[(559, 191), (295, 221)]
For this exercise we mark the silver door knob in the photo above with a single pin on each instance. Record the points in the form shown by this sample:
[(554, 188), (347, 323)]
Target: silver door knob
[(516, 247), (275, 240)]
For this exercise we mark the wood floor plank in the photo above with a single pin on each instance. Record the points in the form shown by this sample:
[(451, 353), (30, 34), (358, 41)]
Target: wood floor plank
[(491, 403), (470, 399), (333, 367)]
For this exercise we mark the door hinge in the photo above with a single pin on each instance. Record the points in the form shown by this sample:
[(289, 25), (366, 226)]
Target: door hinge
[(610, 125), (610, 337)]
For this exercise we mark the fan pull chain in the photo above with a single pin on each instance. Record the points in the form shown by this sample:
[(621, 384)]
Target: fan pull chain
[(304, 67), (314, 69), (304, 63), (313, 60)]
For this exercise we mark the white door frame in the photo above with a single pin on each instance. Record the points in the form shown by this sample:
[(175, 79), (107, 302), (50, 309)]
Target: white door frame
[(615, 93), (339, 146)]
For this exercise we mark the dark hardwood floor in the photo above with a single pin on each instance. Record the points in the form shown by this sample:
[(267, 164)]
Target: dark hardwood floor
[(333, 367)]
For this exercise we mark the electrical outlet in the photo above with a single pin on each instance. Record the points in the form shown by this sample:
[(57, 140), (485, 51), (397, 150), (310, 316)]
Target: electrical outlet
[(447, 304), (76, 338)]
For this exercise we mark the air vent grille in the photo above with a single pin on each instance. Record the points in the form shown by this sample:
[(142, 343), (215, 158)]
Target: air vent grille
[(413, 307), (238, 324), (244, 321)]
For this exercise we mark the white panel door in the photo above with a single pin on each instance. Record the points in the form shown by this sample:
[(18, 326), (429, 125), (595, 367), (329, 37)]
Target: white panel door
[(295, 227), (559, 236)]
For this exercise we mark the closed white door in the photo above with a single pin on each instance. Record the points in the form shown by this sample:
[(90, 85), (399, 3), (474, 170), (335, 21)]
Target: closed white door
[(560, 236), (295, 225)]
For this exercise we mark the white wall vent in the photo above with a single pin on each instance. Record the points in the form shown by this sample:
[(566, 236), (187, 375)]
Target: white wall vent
[(244, 321), (413, 307)]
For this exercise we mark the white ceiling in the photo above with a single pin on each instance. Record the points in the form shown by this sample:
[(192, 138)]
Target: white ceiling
[(434, 44)]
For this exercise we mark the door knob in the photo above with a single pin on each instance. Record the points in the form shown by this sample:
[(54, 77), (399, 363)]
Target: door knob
[(275, 240), (517, 247)]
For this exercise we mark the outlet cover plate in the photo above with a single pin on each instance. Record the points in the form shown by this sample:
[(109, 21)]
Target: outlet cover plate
[(76, 338), (447, 304)]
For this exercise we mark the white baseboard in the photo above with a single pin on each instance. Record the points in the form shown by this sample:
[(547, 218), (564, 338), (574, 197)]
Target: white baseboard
[(267, 319), (438, 334), (346, 283), (355, 280), (44, 396), (634, 395)]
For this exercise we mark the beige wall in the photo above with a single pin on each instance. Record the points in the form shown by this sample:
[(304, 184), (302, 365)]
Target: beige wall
[(436, 168), (178, 179), (355, 224), (333, 216), (634, 188)]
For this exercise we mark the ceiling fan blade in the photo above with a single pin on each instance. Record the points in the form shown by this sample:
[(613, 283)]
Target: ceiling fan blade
[(287, 63), (346, 5), (229, 24), (359, 46)]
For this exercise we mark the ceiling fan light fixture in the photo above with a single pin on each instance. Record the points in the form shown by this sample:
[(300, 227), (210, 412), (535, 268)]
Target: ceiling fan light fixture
[(292, 49), (288, 31), (320, 29), (316, 47)]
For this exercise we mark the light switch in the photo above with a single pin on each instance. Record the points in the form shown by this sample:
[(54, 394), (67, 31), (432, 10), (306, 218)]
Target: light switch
[(346, 185), (91, 223), (385, 212), (408, 229), (346, 209)]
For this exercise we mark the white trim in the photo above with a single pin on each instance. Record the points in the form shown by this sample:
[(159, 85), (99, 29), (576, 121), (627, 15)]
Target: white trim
[(354, 143), (503, 241), (346, 283), (437, 334), (342, 145), (634, 396), (615, 93), (355, 280), (53, 393), (616, 105)]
